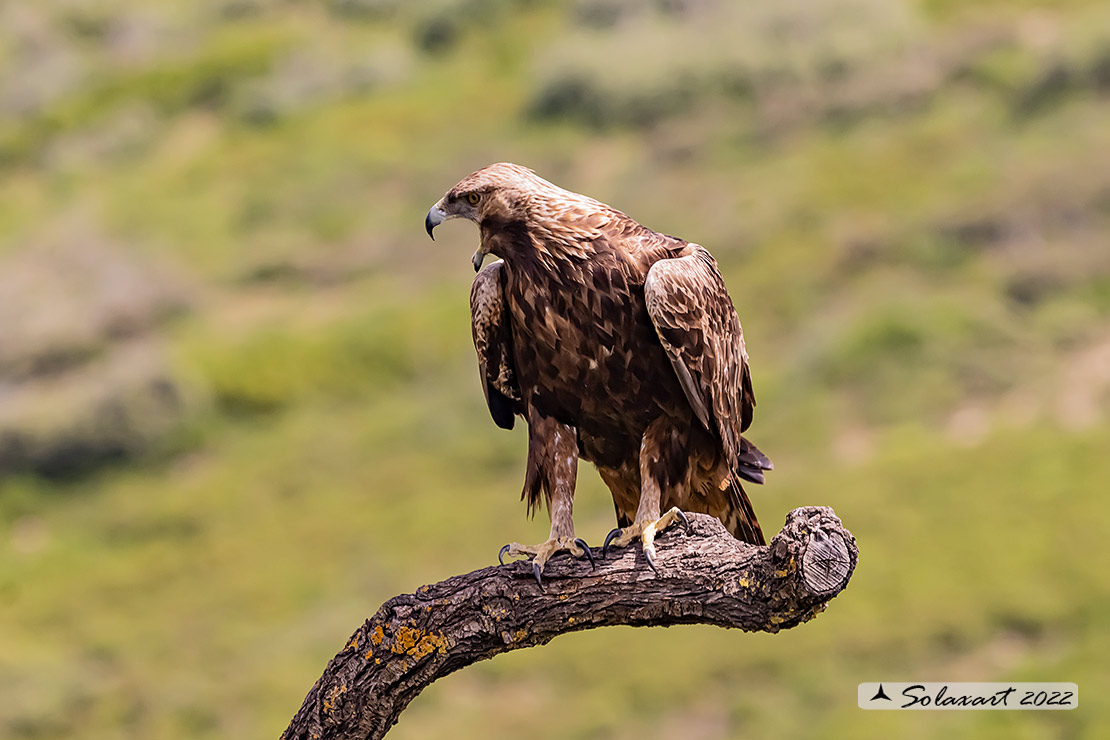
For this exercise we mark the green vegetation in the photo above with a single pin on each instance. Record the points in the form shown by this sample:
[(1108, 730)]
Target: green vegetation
[(239, 403)]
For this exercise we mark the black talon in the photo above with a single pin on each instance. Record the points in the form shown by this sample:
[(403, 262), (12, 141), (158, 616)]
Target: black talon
[(586, 548), (609, 538), (685, 521), (501, 554), (536, 570), (651, 561)]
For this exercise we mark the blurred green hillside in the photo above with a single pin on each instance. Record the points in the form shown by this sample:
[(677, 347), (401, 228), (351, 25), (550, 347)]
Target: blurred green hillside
[(239, 405)]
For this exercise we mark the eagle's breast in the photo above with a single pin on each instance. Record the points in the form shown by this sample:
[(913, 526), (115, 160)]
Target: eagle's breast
[(586, 351)]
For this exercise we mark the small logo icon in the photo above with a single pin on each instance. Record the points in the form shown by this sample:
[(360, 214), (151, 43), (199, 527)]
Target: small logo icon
[(880, 694)]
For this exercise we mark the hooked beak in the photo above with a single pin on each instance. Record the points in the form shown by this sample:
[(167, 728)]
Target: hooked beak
[(435, 217)]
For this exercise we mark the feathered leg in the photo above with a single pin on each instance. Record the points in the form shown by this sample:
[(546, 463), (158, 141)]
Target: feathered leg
[(552, 473), (663, 462)]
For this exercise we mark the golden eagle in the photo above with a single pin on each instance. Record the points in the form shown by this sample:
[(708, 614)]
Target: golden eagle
[(617, 345)]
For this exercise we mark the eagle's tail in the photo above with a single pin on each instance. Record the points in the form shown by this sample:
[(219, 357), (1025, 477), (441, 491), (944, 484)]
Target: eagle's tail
[(740, 518), (751, 462)]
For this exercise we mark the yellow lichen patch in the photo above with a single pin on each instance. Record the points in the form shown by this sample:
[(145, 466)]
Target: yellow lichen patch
[(497, 612), (519, 635), (744, 583), (406, 639), (790, 568), (570, 620), (377, 635), (333, 696), (418, 643), (353, 644)]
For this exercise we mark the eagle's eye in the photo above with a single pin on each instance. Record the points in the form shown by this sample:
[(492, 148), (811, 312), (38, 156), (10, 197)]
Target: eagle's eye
[(472, 198)]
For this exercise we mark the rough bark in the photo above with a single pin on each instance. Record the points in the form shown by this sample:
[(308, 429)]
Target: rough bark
[(706, 577)]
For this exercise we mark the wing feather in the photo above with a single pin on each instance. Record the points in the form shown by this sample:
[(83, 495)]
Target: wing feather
[(493, 342), (698, 327)]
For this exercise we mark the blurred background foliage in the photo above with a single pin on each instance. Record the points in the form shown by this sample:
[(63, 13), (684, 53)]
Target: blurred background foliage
[(238, 403)]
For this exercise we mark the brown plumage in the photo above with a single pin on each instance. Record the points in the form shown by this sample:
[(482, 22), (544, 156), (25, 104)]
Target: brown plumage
[(616, 344)]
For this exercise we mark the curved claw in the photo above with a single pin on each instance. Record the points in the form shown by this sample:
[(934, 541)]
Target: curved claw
[(609, 538), (649, 554), (685, 522), (586, 549), (501, 554), (537, 570)]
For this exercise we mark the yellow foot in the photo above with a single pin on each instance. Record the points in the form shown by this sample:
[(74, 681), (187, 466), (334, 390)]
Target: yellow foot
[(540, 554), (645, 531)]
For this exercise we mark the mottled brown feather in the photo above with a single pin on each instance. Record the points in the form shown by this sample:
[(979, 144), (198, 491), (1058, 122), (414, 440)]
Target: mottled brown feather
[(493, 343), (698, 326)]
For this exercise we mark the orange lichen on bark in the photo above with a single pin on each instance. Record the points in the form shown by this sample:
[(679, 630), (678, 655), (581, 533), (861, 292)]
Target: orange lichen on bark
[(418, 643), (333, 696)]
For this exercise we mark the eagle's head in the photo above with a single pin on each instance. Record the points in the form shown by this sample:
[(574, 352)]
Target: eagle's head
[(506, 196)]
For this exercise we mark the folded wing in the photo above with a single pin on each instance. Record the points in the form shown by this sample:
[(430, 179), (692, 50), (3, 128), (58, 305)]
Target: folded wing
[(489, 324), (698, 327)]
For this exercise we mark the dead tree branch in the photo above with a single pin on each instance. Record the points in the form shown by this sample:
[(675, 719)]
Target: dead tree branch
[(707, 578)]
